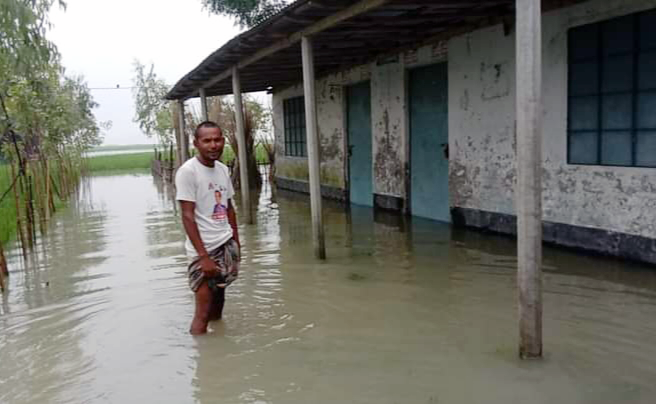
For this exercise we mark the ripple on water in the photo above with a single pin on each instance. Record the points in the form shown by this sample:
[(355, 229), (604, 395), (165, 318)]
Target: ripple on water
[(402, 311)]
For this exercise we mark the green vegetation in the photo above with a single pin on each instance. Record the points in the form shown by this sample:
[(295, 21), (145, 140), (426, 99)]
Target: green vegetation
[(155, 115), (7, 207), (120, 162), (8, 220), (142, 161), (248, 13), (46, 123), (261, 155)]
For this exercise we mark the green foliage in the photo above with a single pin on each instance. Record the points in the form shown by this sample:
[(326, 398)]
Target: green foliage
[(249, 13), (152, 110), (120, 162), (52, 113), (45, 117), (261, 155), (23, 45), (7, 206)]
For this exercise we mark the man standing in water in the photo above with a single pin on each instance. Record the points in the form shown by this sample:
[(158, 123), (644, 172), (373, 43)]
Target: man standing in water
[(212, 243)]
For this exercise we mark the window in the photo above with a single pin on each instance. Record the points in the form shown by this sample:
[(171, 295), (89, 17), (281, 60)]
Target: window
[(294, 115), (612, 92)]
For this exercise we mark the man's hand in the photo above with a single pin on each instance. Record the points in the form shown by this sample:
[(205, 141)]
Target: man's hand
[(232, 219), (209, 267)]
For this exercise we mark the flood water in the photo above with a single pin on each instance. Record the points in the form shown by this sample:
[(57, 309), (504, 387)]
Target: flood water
[(401, 312)]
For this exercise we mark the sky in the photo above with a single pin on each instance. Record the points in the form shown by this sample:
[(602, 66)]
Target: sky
[(100, 39)]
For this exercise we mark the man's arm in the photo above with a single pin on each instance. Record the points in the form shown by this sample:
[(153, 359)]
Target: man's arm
[(232, 219), (191, 228)]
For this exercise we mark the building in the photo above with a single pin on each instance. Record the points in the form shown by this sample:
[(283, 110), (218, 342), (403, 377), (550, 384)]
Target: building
[(416, 111)]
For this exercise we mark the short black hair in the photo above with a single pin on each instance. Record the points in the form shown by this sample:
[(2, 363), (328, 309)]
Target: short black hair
[(205, 124)]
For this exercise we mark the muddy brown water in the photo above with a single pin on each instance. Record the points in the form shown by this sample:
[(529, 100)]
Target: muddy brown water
[(401, 312)]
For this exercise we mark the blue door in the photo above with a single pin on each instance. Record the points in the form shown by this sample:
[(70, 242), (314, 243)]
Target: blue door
[(429, 139), (358, 123)]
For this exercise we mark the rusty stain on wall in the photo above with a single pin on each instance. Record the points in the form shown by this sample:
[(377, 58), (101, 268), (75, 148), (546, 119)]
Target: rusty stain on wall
[(495, 80), (482, 138)]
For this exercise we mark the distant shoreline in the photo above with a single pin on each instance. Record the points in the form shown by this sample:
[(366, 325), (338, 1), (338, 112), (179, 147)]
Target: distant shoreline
[(110, 147)]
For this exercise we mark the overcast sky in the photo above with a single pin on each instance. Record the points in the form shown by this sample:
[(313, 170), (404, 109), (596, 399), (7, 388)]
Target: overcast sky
[(100, 39)]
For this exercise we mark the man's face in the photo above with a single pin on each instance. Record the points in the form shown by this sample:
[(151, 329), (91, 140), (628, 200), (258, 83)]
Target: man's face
[(217, 196), (210, 143)]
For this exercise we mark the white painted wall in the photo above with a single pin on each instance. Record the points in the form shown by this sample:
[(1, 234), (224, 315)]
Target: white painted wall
[(482, 128), (482, 131), (388, 114), (331, 123)]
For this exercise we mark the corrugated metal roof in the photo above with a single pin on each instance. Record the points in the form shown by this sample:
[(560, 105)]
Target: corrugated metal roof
[(391, 26)]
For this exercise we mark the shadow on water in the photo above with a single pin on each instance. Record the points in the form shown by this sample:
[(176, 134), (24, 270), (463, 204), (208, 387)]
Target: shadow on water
[(403, 310)]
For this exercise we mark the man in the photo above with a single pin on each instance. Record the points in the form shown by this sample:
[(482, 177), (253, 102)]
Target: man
[(212, 245)]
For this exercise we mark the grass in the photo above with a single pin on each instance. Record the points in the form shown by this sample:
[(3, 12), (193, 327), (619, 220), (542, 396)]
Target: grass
[(260, 154), (120, 162), (142, 161)]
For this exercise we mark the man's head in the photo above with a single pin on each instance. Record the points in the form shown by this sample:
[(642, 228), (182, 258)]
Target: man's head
[(217, 196), (209, 141)]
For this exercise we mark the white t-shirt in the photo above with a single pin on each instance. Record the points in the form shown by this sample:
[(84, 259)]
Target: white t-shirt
[(210, 189)]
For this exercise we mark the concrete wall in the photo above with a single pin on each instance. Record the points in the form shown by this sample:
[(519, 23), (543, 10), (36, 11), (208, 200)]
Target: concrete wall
[(331, 117), (482, 131), (389, 122), (482, 128)]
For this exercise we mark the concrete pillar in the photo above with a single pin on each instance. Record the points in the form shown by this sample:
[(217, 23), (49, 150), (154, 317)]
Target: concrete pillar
[(241, 145), (203, 104), (529, 170), (312, 133), (184, 139)]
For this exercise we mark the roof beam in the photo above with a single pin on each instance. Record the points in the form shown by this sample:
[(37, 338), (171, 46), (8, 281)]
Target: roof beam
[(360, 7)]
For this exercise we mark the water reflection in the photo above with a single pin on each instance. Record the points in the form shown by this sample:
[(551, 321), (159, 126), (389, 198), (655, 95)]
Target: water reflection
[(404, 310)]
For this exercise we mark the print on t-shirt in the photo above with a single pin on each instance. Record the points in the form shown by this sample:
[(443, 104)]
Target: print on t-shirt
[(220, 212)]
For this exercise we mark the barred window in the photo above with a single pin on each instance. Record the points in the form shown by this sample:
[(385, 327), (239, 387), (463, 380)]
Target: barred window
[(294, 115), (612, 92)]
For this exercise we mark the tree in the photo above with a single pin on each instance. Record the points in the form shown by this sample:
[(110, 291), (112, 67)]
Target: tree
[(256, 122), (249, 13), (46, 118), (25, 53), (37, 101), (152, 111)]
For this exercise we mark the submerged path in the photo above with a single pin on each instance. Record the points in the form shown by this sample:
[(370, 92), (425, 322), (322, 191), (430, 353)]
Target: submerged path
[(401, 312)]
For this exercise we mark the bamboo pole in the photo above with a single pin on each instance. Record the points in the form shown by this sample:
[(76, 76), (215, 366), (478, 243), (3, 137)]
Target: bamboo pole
[(40, 195), (313, 147), (48, 197), (53, 185), (3, 262), (529, 185), (29, 211), (4, 271), (19, 222), (63, 186)]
